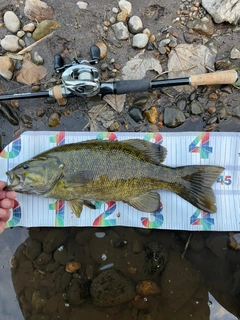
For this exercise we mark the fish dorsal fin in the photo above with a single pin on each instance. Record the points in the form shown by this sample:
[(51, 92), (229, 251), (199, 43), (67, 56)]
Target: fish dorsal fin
[(147, 202), (154, 152), (78, 179), (76, 206)]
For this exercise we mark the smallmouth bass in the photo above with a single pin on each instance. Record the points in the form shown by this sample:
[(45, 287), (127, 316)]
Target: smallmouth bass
[(103, 170)]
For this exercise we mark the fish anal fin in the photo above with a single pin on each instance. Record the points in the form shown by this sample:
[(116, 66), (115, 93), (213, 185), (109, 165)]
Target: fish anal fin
[(76, 206), (147, 202), (153, 152)]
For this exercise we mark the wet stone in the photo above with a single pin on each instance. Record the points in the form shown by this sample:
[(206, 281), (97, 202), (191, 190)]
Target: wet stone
[(43, 258), (40, 112), (196, 107), (147, 288), (182, 103), (110, 288), (222, 112), (152, 114), (135, 113), (236, 112), (33, 249), (173, 117), (212, 120), (62, 256), (54, 120), (76, 292), (54, 239), (235, 53), (156, 258)]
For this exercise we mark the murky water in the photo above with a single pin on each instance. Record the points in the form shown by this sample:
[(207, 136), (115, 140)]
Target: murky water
[(159, 277)]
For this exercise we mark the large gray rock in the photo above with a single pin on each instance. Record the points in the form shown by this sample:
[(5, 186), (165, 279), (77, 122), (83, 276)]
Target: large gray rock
[(120, 31), (223, 10)]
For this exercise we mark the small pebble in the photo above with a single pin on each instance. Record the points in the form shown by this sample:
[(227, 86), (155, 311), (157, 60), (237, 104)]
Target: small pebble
[(122, 16), (20, 34), (54, 120), (211, 110), (82, 5), (10, 43), (73, 266), (213, 96), (152, 114), (140, 40), (135, 113), (115, 10), (135, 24), (30, 27), (37, 59), (123, 4)]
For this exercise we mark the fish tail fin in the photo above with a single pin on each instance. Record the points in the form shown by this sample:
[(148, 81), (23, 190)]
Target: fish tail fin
[(196, 185)]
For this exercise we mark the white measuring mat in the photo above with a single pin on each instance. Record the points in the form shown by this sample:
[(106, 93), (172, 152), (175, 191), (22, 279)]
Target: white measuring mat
[(184, 148)]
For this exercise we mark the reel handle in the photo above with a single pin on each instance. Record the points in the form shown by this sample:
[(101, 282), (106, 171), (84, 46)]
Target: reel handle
[(95, 53), (58, 62)]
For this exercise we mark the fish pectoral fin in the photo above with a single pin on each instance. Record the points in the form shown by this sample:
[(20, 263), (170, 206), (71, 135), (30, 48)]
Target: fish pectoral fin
[(78, 179), (152, 151), (76, 206), (147, 202)]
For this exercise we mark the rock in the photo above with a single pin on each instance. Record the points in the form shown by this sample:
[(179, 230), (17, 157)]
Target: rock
[(211, 110), (43, 258), (135, 25), (236, 112), (152, 114), (37, 59), (40, 112), (10, 43), (11, 21), (73, 266), (30, 27), (234, 241), (62, 256), (147, 288), (196, 107), (223, 10), (54, 120), (190, 37), (156, 259), (123, 4), (140, 40), (110, 288), (54, 239), (33, 248), (103, 49), (120, 31), (205, 26), (182, 103), (6, 67), (218, 244), (44, 28), (37, 10), (235, 53), (76, 292), (173, 117), (20, 34), (122, 16), (135, 113), (82, 5), (179, 281), (38, 301)]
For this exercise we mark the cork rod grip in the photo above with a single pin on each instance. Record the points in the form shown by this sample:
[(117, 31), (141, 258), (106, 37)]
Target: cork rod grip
[(219, 77)]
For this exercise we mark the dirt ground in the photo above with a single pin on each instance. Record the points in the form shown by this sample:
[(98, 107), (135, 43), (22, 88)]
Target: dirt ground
[(213, 266)]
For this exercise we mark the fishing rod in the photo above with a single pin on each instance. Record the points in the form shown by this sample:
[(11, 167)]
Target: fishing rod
[(81, 78)]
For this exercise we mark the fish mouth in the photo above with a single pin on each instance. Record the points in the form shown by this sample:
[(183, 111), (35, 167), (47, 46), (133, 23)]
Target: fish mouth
[(16, 182)]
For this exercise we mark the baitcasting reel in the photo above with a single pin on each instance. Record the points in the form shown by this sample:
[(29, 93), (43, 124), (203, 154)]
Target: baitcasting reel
[(80, 77)]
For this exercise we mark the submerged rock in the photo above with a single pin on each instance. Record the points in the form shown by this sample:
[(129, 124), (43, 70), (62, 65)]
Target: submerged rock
[(110, 288)]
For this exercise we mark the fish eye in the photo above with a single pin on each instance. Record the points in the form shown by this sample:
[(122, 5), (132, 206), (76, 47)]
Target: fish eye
[(25, 166)]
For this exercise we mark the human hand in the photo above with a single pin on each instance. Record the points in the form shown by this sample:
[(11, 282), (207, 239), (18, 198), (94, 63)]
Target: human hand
[(6, 203)]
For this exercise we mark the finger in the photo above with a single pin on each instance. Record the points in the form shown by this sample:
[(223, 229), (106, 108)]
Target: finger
[(4, 214), (2, 226), (2, 184), (8, 194), (6, 203)]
